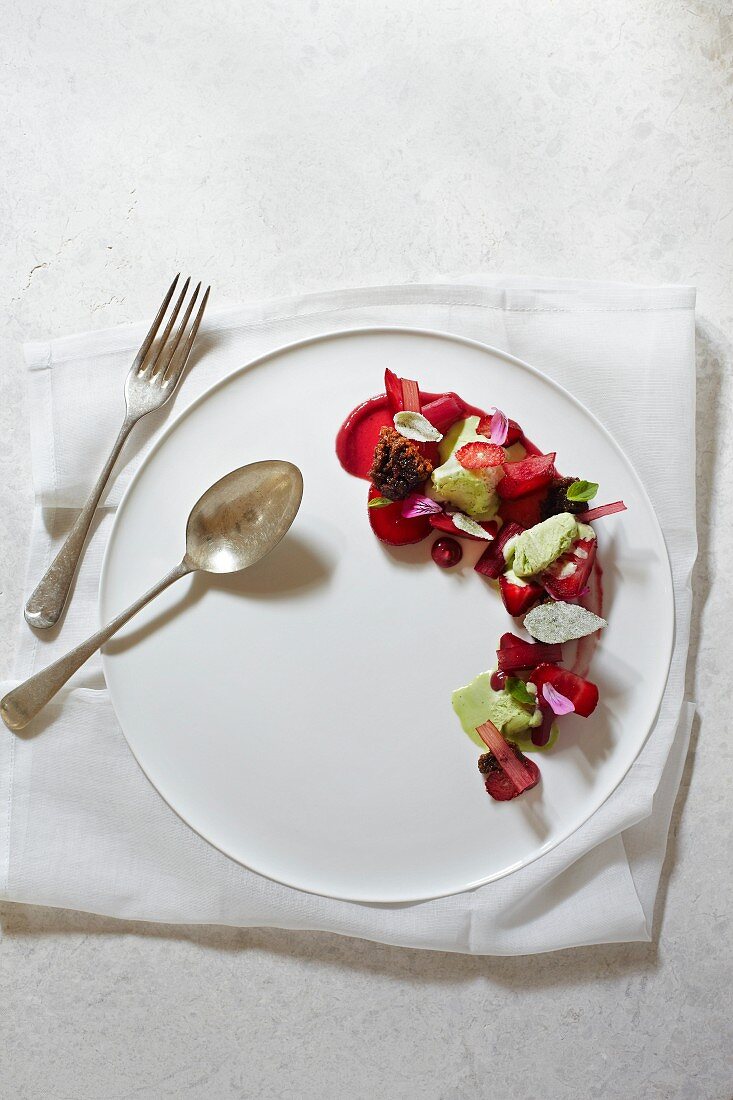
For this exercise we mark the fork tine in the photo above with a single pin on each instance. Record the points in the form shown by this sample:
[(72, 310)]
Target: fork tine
[(167, 331), (145, 346), (173, 373)]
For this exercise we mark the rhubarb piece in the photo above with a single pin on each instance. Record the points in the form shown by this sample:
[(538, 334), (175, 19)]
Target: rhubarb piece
[(529, 655), (398, 465), (497, 782), (582, 693), (526, 476), (479, 456), (492, 562), (557, 499), (444, 411), (567, 578), (602, 510), (562, 622), (443, 522), (510, 641), (393, 388), (446, 553), (410, 396), (514, 435), (518, 598), (390, 526), (527, 511), (536, 549), (521, 773)]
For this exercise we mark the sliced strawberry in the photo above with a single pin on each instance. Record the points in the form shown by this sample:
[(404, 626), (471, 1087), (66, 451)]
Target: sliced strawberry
[(393, 388), (602, 510), (526, 655), (582, 693), (389, 525), (441, 521), (519, 598), (492, 562), (505, 764), (581, 557), (444, 411), (526, 511), (526, 476), (479, 456)]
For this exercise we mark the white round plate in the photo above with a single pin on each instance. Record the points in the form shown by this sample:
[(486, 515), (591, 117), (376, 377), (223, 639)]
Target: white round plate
[(298, 715)]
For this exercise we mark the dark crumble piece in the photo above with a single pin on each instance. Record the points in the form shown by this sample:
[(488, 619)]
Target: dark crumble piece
[(398, 465), (557, 499), (488, 764)]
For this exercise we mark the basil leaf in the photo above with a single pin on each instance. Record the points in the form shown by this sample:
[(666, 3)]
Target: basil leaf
[(518, 690), (379, 502), (582, 490)]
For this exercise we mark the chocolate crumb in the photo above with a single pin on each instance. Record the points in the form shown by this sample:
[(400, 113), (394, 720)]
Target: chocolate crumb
[(398, 466)]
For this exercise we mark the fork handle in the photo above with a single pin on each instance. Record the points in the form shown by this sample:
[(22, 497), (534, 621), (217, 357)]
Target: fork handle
[(24, 702), (49, 597)]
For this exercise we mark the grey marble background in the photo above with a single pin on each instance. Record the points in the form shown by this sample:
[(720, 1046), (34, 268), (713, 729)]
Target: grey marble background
[(306, 144)]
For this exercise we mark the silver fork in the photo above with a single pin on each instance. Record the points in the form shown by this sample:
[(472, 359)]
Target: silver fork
[(151, 382)]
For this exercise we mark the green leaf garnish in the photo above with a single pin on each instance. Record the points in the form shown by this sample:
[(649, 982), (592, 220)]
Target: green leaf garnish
[(582, 490), (518, 690), (379, 502)]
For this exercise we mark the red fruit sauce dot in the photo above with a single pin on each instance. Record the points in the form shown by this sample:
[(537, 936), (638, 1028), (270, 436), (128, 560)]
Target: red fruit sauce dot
[(446, 553), (497, 681)]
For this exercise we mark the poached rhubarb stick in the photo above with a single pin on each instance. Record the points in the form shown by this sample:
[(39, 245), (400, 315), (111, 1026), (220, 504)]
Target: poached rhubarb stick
[(520, 776), (410, 396), (602, 510)]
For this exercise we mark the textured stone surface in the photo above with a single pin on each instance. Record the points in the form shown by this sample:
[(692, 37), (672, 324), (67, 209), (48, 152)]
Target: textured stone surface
[(289, 146)]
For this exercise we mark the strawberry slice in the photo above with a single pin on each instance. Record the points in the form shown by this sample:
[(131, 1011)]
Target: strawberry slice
[(444, 411), (441, 521), (393, 388), (526, 476), (525, 655), (582, 693), (519, 598), (582, 557), (527, 511), (509, 770), (479, 456), (492, 562), (390, 526)]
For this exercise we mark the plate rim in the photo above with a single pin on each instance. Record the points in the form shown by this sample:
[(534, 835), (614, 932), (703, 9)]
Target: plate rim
[(441, 334)]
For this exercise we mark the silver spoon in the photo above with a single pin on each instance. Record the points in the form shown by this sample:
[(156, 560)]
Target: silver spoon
[(234, 524)]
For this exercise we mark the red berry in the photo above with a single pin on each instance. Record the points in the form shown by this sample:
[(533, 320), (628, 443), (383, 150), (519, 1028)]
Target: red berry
[(527, 475), (446, 553), (519, 598), (479, 456), (390, 526), (497, 681)]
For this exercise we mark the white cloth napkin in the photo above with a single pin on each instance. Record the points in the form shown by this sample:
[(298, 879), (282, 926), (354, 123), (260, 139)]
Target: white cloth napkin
[(81, 827)]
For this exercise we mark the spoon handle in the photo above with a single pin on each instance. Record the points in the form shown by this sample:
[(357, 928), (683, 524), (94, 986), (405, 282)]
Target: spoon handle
[(25, 701)]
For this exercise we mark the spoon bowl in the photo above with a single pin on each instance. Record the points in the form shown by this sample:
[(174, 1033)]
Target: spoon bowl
[(242, 517)]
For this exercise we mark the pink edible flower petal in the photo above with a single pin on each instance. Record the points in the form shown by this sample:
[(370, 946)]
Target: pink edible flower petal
[(499, 428), (416, 505), (558, 703)]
